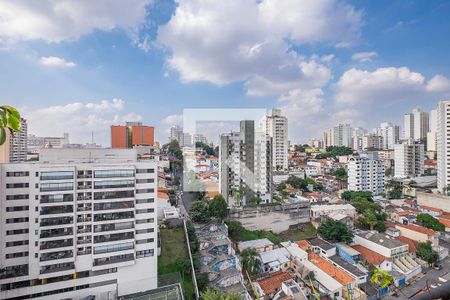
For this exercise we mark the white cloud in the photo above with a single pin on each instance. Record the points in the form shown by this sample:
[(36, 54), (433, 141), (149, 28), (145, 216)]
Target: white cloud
[(438, 84), (54, 61), (227, 41), (385, 84), (79, 119), (173, 120), (56, 21), (364, 56)]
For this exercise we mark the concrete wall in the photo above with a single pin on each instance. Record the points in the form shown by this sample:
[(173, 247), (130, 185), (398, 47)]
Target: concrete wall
[(274, 218)]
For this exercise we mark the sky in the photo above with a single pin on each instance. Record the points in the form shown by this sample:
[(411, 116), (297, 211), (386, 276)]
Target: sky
[(79, 66)]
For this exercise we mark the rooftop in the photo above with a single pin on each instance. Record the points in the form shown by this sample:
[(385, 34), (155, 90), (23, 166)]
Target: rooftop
[(318, 242), (279, 254), (444, 221), (417, 228), (272, 284), (347, 249), (370, 256), (425, 207), (304, 244), (412, 244), (255, 244), (336, 259), (339, 275), (332, 207), (380, 239)]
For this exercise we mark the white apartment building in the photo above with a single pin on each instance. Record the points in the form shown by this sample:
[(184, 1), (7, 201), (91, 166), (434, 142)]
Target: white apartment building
[(15, 147), (372, 141), (277, 129), (341, 135), (315, 143), (245, 162), (390, 134), (365, 174), (78, 223), (357, 138), (199, 138), (432, 133), (443, 145), (35, 143), (409, 159), (416, 124)]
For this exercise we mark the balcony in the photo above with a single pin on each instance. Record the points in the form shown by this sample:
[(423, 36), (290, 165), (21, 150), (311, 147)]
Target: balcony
[(56, 198), (113, 227), (56, 255), (56, 244), (56, 232), (113, 259), (56, 221), (114, 205), (113, 237), (13, 271), (83, 219), (60, 209), (113, 216), (83, 241), (57, 268)]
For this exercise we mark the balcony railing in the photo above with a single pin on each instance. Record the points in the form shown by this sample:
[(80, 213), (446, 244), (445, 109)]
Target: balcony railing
[(56, 255), (57, 268), (56, 232), (56, 244), (56, 221), (113, 237), (113, 260)]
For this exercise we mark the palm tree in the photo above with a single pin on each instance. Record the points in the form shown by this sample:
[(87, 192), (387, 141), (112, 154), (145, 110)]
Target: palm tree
[(250, 261), (9, 120)]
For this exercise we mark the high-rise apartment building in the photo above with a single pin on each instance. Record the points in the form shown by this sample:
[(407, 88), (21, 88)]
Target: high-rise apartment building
[(443, 145), (78, 224), (390, 134), (277, 129), (132, 134), (199, 138), (15, 148), (183, 138), (35, 143), (365, 174), (341, 135), (432, 134), (372, 141), (408, 159), (416, 125), (245, 165)]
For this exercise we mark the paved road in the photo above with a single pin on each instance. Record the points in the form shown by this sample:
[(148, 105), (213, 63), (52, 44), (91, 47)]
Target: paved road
[(431, 275)]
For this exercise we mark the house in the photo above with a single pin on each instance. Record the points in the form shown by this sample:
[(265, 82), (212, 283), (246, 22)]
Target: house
[(412, 244), (348, 253), (323, 282), (290, 290), (377, 260), (435, 212), (340, 276), (261, 245), (163, 203), (297, 254), (274, 260), (322, 247), (359, 273), (419, 233), (381, 243), (268, 287)]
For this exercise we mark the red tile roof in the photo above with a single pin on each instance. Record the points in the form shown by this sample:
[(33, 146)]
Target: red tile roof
[(370, 256), (272, 284), (339, 275), (163, 196), (430, 208), (304, 244), (412, 244), (446, 222), (417, 228)]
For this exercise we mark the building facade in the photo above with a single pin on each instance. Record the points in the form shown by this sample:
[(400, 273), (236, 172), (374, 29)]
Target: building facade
[(78, 223), (365, 174), (15, 148), (416, 125), (277, 129), (390, 134), (340, 135), (409, 157), (443, 145), (132, 134), (245, 164)]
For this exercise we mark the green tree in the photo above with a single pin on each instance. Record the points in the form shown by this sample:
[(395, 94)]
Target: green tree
[(207, 148), (212, 294), (370, 218), (341, 174), (430, 222), (238, 194), (425, 251), (9, 121), (381, 278), (184, 265), (250, 261), (199, 211), (218, 207), (347, 195), (335, 231), (202, 281)]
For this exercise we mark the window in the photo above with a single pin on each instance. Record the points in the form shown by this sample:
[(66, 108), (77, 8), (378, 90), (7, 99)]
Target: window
[(145, 253), (113, 173), (113, 248), (17, 174), (16, 255), (148, 230), (143, 221), (145, 171), (143, 211), (143, 191), (17, 208), (51, 187), (17, 220), (141, 201), (18, 197), (111, 184), (145, 241), (113, 259), (56, 198), (17, 231), (16, 243), (113, 195), (146, 180), (17, 185), (57, 175)]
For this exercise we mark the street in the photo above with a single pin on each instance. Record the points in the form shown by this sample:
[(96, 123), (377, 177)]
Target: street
[(430, 276)]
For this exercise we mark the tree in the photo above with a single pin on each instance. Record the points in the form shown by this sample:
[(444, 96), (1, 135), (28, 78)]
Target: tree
[(202, 281), (212, 294), (218, 207), (341, 174), (250, 261), (238, 194), (335, 231), (425, 251), (381, 278), (430, 222), (199, 211), (9, 121), (370, 218), (347, 195), (207, 148), (184, 265)]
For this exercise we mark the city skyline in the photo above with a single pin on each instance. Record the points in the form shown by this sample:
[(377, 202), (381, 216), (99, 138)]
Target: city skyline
[(363, 63)]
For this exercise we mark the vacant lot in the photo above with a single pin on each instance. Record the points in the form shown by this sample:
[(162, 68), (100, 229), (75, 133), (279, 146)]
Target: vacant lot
[(173, 247)]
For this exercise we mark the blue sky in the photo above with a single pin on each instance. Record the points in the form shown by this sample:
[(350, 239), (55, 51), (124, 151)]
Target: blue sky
[(80, 66)]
